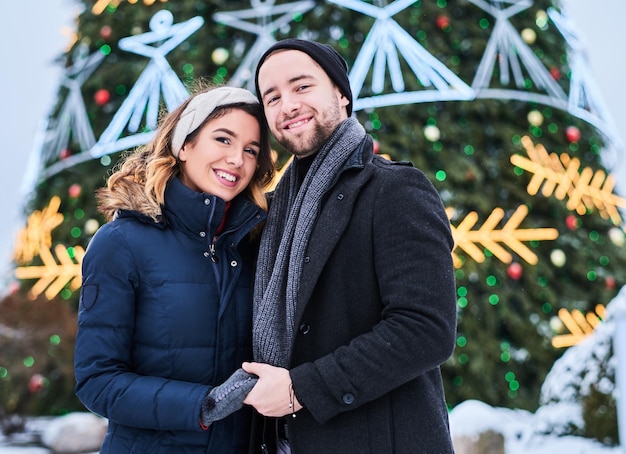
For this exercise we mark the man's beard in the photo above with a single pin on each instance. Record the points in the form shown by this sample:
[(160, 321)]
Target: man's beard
[(306, 146), (312, 143)]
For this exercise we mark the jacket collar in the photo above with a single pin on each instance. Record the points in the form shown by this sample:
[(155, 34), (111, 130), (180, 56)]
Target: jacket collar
[(195, 212), (189, 210), (362, 154), (198, 212)]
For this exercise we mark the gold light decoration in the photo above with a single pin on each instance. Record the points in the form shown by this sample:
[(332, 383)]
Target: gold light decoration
[(492, 238), (52, 277), (36, 240), (279, 172), (100, 5), (563, 177), (71, 36), (579, 325), (37, 233)]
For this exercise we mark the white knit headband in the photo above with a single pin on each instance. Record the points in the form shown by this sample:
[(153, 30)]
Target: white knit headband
[(200, 107)]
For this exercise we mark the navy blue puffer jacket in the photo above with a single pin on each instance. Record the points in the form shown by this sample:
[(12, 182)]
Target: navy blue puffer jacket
[(164, 316)]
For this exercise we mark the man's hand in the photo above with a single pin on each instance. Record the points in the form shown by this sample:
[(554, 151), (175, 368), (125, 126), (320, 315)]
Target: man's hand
[(272, 395)]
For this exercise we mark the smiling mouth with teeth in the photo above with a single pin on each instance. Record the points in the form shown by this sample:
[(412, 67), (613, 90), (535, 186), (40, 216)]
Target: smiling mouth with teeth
[(226, 176), (297, 124)]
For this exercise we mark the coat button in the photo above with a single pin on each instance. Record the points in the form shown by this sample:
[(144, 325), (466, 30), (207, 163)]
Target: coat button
[(233, 263), (207, 201), (307, 259), (305, 328), (339, 196), (206, 254), (202, 234), (348, 398)]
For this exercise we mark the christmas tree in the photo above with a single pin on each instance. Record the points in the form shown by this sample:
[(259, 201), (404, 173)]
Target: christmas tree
[(490, 98)]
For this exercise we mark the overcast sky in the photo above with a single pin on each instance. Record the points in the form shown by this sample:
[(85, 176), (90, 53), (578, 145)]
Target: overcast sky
[(31, 37)]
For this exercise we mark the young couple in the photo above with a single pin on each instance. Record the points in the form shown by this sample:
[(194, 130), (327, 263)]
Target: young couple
[(329, 316)]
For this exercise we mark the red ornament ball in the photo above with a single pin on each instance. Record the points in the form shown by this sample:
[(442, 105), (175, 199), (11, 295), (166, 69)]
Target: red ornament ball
[(14, 287), (64, 153), (102, 97), (571, 222), (105, 32), (555, 73), (35, 383), (442, 22), (74, 190), (572, 133), (514, 271), (609, 282), (376, 146)]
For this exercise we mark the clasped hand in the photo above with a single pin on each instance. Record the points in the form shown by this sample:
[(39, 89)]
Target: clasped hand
[(272, 395)]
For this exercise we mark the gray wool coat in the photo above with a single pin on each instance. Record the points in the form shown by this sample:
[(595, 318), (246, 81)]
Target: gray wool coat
[(376, 316)]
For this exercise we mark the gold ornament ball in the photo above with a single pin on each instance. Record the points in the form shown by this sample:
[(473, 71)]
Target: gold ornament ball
[(556, 324), (541, 19), (558, 258), (219, 56), (535, 118), (91, 226), (432, 133), (616, 235), (529, 36)]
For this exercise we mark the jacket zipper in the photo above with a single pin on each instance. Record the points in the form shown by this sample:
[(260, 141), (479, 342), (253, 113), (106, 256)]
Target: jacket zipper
[(213, 255), (214, 258)]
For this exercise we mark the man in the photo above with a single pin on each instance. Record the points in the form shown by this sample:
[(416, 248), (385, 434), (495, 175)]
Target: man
[(355, 306)]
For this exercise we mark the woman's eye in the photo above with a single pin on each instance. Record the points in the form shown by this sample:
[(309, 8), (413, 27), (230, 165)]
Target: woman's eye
[(251, 151), (224, 140)]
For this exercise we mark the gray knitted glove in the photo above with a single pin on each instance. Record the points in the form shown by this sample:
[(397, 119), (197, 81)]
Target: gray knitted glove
[(228, 397)]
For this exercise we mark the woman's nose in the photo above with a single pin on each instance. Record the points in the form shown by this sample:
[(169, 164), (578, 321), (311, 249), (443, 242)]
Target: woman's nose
[(235, 158)]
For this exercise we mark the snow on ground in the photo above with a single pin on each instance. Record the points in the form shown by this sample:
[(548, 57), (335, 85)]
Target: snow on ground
[(473, 417)]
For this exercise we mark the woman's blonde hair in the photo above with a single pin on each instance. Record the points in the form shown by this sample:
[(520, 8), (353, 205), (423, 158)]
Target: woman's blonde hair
[(139, 181)]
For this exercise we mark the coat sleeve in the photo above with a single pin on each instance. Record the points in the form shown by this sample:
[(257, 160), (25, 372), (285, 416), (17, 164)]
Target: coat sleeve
[(416, 330), (105, 380)]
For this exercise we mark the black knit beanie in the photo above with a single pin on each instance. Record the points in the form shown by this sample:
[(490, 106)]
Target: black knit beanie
[(325, 56)]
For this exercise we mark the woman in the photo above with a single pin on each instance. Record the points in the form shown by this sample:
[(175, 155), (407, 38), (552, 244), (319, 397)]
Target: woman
[(165, 307)]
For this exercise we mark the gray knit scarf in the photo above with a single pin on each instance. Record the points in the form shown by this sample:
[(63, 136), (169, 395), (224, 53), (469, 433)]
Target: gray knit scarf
[(283, 244)]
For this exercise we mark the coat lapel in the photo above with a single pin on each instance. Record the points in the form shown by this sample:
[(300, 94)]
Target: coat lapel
[(332, 222)]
